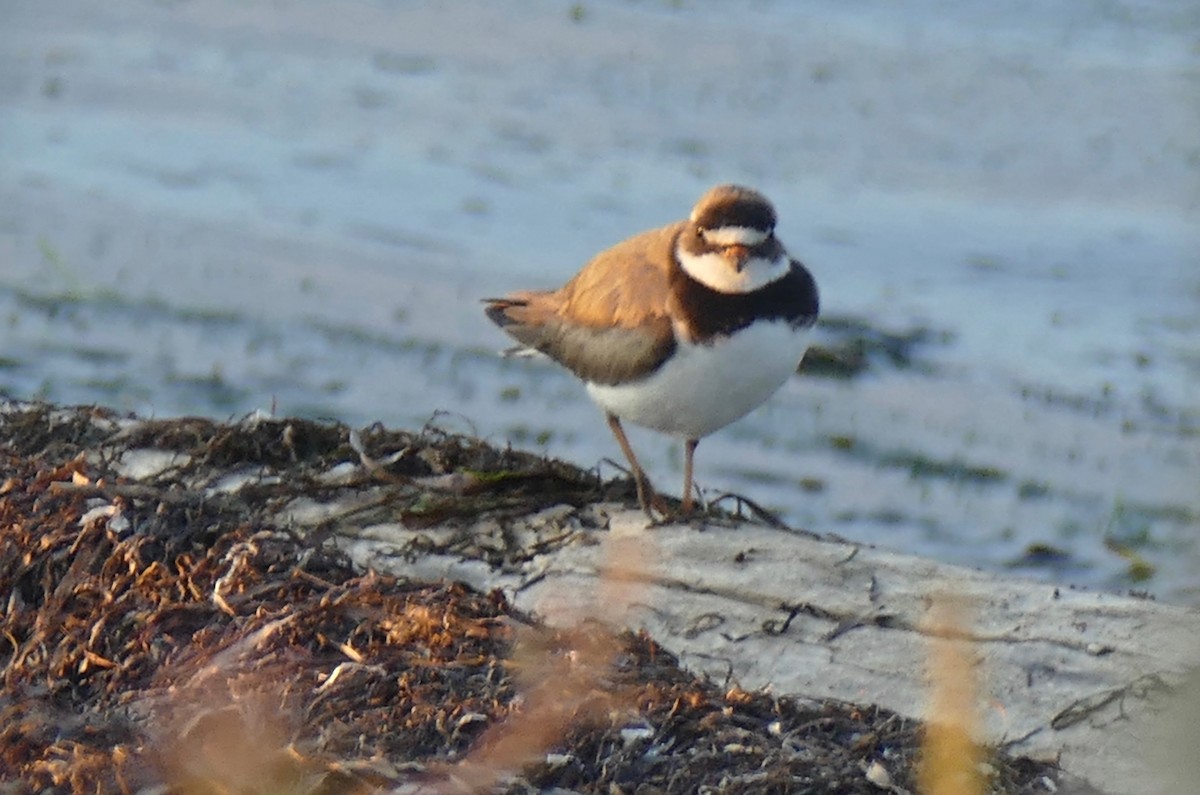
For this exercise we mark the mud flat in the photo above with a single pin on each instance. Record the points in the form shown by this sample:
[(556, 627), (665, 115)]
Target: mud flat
[(384, 608), (296, 205)]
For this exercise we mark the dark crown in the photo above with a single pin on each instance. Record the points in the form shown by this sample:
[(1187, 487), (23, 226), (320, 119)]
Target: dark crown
[(733, 205)]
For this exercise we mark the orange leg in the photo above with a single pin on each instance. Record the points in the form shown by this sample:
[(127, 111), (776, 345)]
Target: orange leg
[(689, 452), (647, 497)]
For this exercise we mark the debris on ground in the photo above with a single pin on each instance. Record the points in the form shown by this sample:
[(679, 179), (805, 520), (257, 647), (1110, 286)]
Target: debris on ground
[(165, 635)]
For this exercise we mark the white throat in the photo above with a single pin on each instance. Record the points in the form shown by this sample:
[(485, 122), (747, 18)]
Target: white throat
[(714, 271)]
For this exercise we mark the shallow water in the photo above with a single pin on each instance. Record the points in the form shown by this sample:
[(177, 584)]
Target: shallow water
[(215, 208)]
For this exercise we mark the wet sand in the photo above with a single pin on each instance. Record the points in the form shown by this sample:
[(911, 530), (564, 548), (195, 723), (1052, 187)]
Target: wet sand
[(216, 208)]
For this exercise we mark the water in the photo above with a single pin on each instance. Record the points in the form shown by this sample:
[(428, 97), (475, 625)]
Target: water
[(213, 208)]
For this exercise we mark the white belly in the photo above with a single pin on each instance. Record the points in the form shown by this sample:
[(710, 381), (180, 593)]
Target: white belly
[(705, 387)]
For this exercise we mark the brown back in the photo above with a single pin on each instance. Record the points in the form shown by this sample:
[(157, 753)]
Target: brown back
[(609, 324)]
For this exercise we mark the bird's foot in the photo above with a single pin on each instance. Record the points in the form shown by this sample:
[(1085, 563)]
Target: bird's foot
[(689, 513), (656, 507), (686, 512)]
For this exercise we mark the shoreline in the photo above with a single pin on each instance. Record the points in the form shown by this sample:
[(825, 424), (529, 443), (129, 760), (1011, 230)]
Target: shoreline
[(304, 202)]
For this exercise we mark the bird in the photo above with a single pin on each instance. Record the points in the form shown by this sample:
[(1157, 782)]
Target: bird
[(682, 329)]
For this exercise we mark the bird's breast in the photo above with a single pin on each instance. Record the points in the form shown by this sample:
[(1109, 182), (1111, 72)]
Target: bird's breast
[(707, 385)]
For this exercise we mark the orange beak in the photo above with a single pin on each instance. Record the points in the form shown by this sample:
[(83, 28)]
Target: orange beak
[(737, 254)]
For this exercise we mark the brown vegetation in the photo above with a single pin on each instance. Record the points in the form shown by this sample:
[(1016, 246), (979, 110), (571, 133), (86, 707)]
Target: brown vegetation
[(158, 637)]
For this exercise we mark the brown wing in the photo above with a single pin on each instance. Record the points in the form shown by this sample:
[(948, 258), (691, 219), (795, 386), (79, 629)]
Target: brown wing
[(609, 324)]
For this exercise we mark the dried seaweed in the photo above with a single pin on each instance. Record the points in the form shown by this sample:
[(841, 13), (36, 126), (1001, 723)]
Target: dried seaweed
[(155, 639)]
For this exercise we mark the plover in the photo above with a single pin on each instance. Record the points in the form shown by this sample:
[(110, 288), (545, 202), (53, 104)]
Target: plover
[(682, 329)]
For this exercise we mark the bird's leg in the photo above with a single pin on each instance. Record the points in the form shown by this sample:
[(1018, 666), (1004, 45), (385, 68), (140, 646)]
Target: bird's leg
[(647, 497), (689, 452)]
